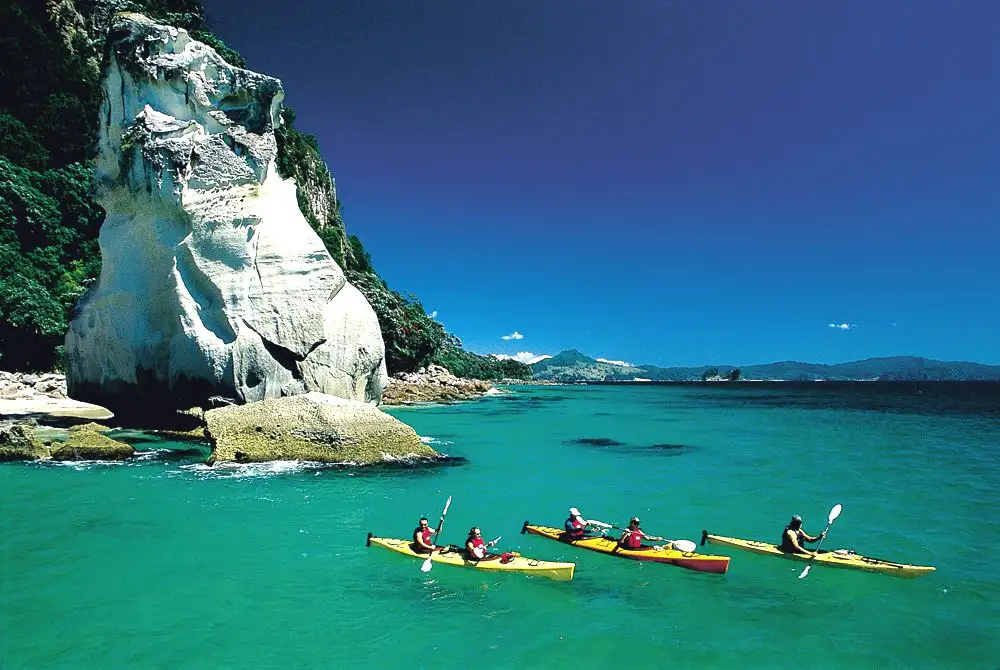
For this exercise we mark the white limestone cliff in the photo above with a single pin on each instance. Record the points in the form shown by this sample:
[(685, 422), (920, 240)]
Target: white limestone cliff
[(213, 283)]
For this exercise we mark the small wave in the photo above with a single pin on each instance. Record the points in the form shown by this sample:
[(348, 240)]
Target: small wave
[(77, 465), (252, 470), (413, 459), (229, 470), (495, 392), (430, 439)]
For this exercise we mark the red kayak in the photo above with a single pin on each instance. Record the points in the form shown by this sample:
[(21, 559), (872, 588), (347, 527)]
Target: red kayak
[(663, 554)]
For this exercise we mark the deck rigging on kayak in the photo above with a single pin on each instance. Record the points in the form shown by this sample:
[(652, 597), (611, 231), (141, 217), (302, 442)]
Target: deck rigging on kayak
[(840, 558), (457, 557)]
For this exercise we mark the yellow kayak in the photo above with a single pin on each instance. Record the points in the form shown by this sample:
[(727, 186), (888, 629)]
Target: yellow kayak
[(562, 572), (841, 558)]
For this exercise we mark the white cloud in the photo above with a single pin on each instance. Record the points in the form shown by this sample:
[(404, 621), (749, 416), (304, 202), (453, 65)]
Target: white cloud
[(610, 362), (525, 357), (434, 314), (843, 326), (513, 336)]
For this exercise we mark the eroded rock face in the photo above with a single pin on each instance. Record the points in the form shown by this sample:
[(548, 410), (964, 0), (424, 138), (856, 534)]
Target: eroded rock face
[(213, 283)]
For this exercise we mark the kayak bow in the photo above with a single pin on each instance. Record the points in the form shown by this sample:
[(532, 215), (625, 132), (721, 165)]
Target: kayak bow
[(841, 558), (562, 572), (604, 545)]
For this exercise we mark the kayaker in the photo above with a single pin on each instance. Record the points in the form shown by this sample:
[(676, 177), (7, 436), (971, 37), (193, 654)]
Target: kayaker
[(576, 525), (475, 547), (422, 537), (793, 538), (633, 536)]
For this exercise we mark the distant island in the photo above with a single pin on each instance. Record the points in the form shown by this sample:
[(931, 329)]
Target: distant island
[(574, 366)]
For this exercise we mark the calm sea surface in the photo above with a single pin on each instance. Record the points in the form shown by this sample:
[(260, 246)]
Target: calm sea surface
[(166, 563)]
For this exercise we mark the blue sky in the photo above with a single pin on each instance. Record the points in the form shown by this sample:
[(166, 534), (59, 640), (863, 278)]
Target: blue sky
[(675, 183)]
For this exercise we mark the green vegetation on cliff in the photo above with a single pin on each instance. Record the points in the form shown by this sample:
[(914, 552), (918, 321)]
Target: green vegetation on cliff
[(50, 57), (50, 62)]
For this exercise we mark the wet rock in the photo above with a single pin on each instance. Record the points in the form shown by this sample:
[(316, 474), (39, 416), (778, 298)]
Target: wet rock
[(84, 444), (310, 427), (18, 442)]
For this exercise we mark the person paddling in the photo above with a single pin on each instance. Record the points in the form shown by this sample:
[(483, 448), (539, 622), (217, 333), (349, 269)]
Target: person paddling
[(475, 547), (793, 538), (422, 537), (576, 525), (633, 536)]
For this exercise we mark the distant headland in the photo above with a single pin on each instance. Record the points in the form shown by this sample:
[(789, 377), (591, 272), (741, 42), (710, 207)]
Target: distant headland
[(574, 366)]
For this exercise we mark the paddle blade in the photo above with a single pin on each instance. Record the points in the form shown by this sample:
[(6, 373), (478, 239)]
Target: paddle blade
[(599, 524), (426, 565), (835, 512), (446, 506), (684, 545), (805, 571)]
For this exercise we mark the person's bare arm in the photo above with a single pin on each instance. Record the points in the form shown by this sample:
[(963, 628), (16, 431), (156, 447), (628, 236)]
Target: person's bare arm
[(799, 547)]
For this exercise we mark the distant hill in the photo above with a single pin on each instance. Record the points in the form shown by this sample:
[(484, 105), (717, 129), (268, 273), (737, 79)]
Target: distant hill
[(574, 366)]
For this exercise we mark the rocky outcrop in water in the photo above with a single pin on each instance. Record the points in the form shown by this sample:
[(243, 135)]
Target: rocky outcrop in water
[(18, 443), (432, 384), (213, 284), (310, 427), (87, 443)]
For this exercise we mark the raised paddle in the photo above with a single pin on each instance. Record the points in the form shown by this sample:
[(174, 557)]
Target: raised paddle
[(426, 565), (834, 513)]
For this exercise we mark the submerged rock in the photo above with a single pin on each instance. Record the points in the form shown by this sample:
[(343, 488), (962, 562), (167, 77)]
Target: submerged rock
[(213, 284), (433, 384), (18, 443), (86, 444), (310, 427)]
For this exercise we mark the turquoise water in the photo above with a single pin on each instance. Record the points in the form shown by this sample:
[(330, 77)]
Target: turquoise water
[(167, 563)]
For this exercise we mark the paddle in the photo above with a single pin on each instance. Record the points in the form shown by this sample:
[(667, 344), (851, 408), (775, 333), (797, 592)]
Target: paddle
[(686, 546), (834, 513), (426, 565)]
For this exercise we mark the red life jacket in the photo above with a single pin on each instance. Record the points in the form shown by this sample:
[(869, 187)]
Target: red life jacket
[(424, 533), (633, 540), (477, 545), (574, 528)]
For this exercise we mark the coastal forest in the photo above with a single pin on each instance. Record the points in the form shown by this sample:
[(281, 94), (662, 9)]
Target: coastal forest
[(51, 56)]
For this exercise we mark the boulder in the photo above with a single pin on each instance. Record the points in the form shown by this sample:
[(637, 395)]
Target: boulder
[(93, 427), (213, 284), (18, 443), (85, 444), (310, 427)]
